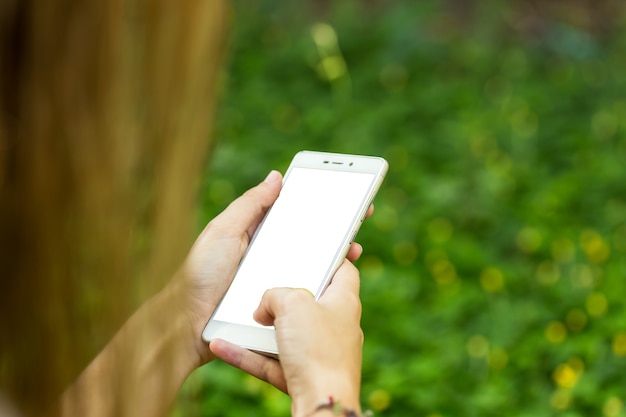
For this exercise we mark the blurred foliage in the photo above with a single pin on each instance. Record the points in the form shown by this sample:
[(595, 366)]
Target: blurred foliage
[(494, 269)]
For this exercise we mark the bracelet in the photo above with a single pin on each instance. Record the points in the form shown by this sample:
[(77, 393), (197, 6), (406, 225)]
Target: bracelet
[(338, 410)]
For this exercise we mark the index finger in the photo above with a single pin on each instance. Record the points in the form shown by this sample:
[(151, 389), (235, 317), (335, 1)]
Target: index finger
[(345, 284)]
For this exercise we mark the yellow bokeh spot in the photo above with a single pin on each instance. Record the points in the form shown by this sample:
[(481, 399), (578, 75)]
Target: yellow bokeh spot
[(577, 364), (584, 277), (595, 248), (444, 272), (379, 400), (619, 344), (556, 332), (492, 280), (563, 250), (564, 376), (371, 267), (332, 67), (324, 36), (613, 407), (576, 319), (498, 358), (529, 239), (405, 252), (478, 346), (548, 273), (596, 304), (561, 399), (440, 230), (435, 255)]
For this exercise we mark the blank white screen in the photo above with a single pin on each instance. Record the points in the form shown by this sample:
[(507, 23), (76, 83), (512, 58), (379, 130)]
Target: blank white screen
[(298, 240)]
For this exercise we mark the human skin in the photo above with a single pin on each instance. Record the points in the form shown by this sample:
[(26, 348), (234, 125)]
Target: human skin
[(141, 370)]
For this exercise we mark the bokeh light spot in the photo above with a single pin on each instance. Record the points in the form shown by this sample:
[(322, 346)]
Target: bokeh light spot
[(434, 255), (563, 250), (444, 272), (478, 346), (529, 239), (561, 399), (440, 230), (556, 332), (565, 376), (548, 273), (583, 277), (498, 358), (595, 248), (619, 344), (405, 252), (492, 280), (324, 35), (379, 400), (596, 304), (576, 319), (331, 67), (613, 407)]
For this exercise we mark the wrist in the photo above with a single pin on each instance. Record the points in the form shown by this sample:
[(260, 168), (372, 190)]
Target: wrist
[(172, 318), (333, 407), (308, 402)]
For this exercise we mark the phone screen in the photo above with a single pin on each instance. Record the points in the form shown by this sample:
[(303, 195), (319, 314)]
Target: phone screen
[(299, 238)]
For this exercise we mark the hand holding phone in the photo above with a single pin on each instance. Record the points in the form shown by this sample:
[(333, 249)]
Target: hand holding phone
[(301, 242)]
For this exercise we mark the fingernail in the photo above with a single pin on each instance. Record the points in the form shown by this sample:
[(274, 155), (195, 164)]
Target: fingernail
[(273, 176)]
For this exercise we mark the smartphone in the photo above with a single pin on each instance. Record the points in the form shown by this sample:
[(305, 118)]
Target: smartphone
[(301, 242)]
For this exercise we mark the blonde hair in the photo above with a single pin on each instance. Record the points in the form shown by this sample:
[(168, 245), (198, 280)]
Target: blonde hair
[(106, 109)]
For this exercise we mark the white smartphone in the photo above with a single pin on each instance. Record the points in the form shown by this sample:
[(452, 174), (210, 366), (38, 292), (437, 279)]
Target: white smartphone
[(300, 243)]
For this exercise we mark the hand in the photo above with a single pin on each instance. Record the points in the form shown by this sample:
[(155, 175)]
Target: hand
[(212, 262), (319, 343)]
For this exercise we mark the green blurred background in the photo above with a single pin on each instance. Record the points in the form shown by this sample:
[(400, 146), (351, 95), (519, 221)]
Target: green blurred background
[(494, 269)]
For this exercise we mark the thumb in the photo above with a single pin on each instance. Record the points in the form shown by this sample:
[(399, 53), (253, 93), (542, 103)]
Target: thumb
[(277, 301), (245, 213)]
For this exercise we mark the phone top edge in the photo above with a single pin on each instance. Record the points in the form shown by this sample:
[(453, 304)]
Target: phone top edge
[(340, 162)]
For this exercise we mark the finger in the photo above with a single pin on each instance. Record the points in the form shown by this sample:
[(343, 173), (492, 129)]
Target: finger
[(370, 211), (345, 284), (244, 214), (355, 251), (257, 365), (277, 301)]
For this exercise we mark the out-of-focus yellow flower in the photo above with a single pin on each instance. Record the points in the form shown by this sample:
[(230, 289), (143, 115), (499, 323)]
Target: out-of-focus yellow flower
[(595, 248), (561, 399), (379, 400), (556, 332), (596, 304), (478, 346), (576, 319), (492, 280), (613, 407), (529, 239), (619, 344), (498, 358)]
